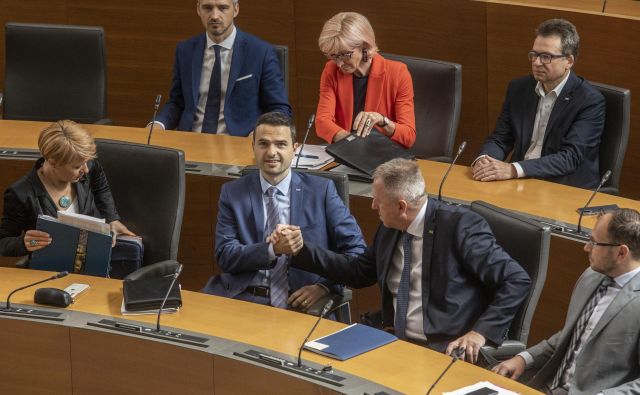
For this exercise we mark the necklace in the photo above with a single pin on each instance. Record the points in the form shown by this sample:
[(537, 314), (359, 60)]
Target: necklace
[(64, 201)]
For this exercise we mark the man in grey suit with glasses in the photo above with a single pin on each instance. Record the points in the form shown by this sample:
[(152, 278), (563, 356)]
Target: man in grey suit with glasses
[(597, 350)]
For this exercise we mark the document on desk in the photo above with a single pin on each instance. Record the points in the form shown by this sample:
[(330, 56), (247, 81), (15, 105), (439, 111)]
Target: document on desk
[(481, 387), (348, 342), (313, 157)]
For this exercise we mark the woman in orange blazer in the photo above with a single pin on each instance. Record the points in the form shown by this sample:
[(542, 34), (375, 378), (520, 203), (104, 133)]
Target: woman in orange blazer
[(359, 89)]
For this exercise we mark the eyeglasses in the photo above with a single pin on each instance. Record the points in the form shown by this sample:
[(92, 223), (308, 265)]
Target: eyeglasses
[(594, 243), (340, 56), (545, 58)]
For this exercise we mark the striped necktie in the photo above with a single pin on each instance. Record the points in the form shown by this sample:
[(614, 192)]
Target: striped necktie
[(402, 297), (278, 279), (212, 108)]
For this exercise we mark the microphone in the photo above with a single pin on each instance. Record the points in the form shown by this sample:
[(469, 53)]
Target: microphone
[(156, 105), (175, 277), (312, 118), (324, 312), (56, 276), (604, 179), (460, 149), (455, 355), (604, 5)]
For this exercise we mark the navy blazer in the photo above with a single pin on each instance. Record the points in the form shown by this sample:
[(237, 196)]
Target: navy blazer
[(27, 198), (241, 249), (468, 281), (255, 84), (570, 151)]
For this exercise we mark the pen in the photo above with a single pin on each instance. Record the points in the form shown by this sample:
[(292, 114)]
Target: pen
[(308, 156)]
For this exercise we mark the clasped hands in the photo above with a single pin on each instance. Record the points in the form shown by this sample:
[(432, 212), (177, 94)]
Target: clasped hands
[(487, 168), (286, 239)]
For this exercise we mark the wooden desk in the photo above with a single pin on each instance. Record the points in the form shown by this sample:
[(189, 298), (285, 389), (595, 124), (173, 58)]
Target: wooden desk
[(66, 357), (535, 198)]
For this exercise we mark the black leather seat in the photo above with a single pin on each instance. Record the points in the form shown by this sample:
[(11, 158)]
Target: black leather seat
[(340, 302), (55, 72), (613, 144), (437, 89), (527, 241), (283, 56), (148, 184)]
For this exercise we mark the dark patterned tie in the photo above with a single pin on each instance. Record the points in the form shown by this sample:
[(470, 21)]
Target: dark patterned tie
[(279, 282), (402, 298), (561, 376), (212, 108)]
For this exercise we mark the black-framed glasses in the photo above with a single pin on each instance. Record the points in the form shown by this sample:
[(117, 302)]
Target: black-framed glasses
[(545, 57), (340, 56), (594, 243)]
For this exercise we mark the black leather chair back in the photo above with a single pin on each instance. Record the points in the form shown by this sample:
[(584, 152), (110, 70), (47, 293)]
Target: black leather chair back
[(148, 184), (527, 241), (615, 136), (55, 72), (340, 180), (283, 56), (437, 89)]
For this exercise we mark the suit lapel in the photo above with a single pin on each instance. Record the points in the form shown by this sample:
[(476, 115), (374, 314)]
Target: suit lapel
[(427, 250), (237, 60), (296, 196), (257, 209), (196, 66), (566, 95), (528, 121), (374, 84), (625, 295)]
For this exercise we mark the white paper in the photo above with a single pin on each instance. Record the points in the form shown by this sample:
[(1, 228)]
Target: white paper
[(319, 157), (466, 390), (316, 346), (85, 222)]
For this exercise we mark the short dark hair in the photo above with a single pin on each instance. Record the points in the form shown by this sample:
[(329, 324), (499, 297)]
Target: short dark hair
[(569, 38), (276, 119), (624, 228)]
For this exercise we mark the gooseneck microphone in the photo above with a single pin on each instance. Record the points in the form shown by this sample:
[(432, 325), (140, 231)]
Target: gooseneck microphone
[(56, 276), (460, 149), (312, 118), (156, 105), (173, 281), (324, 312), (455, 355), (604, 179)]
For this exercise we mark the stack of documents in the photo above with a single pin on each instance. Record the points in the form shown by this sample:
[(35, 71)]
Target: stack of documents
[(313, 157)]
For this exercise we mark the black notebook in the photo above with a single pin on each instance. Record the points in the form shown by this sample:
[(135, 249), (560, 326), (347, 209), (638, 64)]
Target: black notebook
[(148, 293), (365, 154)]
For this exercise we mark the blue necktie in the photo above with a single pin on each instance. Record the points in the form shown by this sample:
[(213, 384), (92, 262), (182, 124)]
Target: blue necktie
[(278, 280), (402, 298), (561, 376), (212, 108)]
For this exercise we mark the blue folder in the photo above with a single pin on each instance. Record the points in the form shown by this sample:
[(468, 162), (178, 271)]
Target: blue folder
[(353, 340)]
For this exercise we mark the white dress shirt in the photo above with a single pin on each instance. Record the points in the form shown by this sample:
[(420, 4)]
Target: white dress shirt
[(415, 322), (546, 102)]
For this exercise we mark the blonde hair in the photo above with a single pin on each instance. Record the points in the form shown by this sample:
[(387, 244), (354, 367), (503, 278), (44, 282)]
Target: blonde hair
[(66, 142), (347, 30)]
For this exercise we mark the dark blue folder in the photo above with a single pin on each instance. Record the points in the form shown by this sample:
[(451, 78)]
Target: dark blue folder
[(350, 341)]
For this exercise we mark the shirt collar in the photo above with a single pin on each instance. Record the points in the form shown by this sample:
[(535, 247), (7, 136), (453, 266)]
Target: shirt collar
[(623, 279), (556, 90), (282, 186), (416, 228), (227, 43)]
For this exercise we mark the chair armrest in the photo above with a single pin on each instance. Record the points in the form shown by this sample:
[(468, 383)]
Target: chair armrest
[(508, 349), (104, 121), (338, 301)]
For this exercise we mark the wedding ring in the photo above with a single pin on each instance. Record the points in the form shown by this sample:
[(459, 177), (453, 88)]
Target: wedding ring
[(33, 243), (306, 302)]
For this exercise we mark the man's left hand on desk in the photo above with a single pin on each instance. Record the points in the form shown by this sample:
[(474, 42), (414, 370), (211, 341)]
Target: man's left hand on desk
[(471, 342)]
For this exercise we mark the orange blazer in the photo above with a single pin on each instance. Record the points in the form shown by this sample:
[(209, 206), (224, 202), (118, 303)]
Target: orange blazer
[(389, 92)]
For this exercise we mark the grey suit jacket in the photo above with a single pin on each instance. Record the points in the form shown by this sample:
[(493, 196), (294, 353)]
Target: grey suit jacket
[(609, 361)]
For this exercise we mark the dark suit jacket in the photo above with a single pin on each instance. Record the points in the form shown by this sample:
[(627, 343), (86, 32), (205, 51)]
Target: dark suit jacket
[(570, 151), (241, 249), (27, 198), (610, 359), (246, 99), (468, 281)]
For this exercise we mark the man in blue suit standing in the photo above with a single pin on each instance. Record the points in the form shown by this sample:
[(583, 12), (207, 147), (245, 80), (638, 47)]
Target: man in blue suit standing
[(255, 268), (223, 79), (551, 121)]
